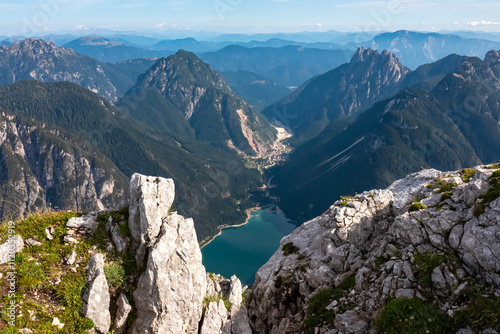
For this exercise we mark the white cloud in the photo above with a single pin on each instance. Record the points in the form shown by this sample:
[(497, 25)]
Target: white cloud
[(483, 23), (81, 27), (160, 25)]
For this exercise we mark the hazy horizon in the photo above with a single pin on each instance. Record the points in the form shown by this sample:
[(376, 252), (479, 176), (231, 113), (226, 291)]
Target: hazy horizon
[(239, 16)]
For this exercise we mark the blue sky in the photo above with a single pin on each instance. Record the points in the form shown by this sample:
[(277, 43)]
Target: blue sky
[(250, 16)]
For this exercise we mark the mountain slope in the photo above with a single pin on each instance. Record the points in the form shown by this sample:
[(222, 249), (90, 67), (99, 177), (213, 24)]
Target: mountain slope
[(110, 51), (33, 59), (417, 48), (258, 91), (210, 180), (198, 97), (451, 126), (288, 66), (339, 94)]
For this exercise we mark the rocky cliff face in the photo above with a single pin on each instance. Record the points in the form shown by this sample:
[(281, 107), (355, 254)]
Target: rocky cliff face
[(42, 167), (173, 294), (427, 243), (171, 291)]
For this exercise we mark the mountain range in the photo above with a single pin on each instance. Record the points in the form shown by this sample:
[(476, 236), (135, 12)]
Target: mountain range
[(417, 48), (111, 51), (66, 147), (366, 118), (33, 59), (447, 117), (288, 66), (339, 94)]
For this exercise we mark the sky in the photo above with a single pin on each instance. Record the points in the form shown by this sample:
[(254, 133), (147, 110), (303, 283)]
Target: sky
[(247, 16)]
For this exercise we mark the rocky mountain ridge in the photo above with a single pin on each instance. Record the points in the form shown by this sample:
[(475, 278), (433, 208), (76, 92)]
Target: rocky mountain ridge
[(422, 255), (32, 59), (406, 259), (417, 48), (341, 93)]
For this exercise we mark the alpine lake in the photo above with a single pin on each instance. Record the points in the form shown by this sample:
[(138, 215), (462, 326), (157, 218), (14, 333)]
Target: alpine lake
[(242, 250)]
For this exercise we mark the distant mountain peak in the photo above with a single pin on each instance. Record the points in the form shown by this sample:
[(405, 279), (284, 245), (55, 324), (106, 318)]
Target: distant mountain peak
[(361, 54), (374, 56), (35, 59), (178, 71), (203, 99), (31, 46), (492, 57), (342, 92)]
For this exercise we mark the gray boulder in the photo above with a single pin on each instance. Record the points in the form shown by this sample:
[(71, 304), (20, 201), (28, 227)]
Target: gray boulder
[(124, 308), (350, 323), (88, 222), (9, 248), (96, 298), (239, 321), (33, 242)]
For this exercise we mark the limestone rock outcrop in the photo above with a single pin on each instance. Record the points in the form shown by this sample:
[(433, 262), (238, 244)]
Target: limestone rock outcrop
[(169, 296), (150, 202), (8, 249), (215, 318), (432, 236), (122, 313), (96, 299)]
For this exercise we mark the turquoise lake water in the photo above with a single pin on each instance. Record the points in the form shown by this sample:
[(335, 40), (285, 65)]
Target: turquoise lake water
[(241, 251)]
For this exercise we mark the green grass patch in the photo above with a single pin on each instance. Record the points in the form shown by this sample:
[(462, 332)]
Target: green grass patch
[(115, 273), (30, 275), (66, 297), (481, 313), (379, 261), (494, 166), (290, 248), (124, 230), (215, 298), (468, 174), (34, 226), (416, 207), (445, 196), (423, 266), (317, 314), (446, 186), (413, 316)]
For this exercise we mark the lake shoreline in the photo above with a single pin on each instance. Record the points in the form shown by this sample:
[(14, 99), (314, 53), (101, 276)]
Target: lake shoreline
[(222, 227)]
